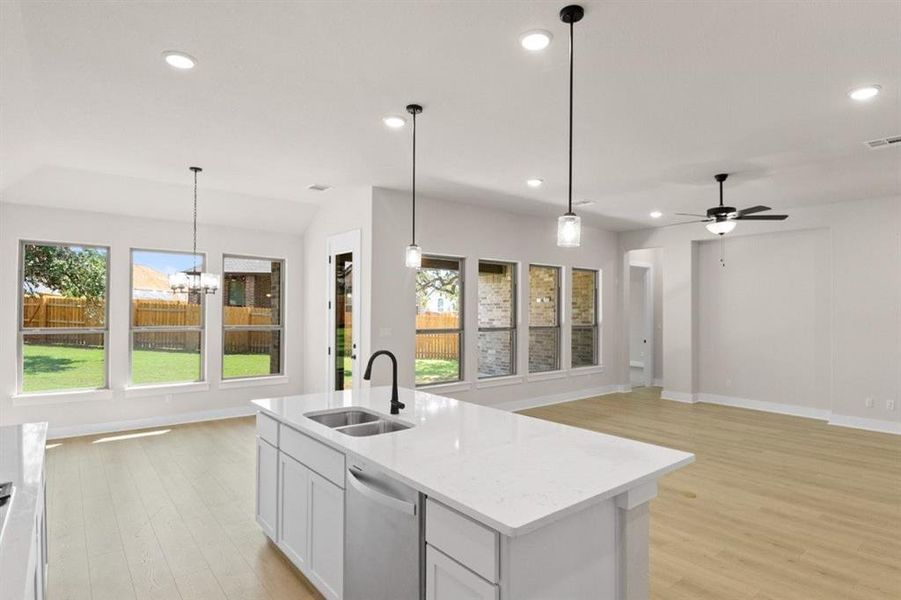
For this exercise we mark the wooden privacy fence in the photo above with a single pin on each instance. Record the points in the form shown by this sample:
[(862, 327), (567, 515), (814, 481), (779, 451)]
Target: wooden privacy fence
[(61, 312), (440, 346)]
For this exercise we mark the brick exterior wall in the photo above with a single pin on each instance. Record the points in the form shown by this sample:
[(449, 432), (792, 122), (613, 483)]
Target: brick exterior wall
[(496, 309), (584, 318), (544, 311)]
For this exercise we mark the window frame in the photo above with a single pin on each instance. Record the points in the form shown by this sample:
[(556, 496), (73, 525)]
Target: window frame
[(460, 331), (22, 331), (595, 326), (559, 319), (514, 320), (280, 327), (132, 330)]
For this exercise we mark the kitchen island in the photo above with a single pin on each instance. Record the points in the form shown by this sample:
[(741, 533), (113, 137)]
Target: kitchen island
[(511, 507)]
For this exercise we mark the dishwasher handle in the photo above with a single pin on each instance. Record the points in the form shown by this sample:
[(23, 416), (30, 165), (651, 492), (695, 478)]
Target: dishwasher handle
[(377, 496)]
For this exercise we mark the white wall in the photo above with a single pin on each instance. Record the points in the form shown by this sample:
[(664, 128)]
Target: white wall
[(449, 228), (764, 332), (637, 316), (864, 269), (346, 209), (120, 234)]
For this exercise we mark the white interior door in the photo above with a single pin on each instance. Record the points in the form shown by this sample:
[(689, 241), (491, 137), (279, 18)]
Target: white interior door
[(343, 308)]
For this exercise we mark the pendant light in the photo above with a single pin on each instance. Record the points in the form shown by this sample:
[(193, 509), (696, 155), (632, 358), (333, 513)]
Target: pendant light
[(569, 225), (413, 257), (194, 281)]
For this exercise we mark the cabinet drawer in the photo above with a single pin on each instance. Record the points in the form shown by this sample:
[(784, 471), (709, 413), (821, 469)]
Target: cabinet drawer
[(466, 541), (445, 579), (317, 456), (267, 428)]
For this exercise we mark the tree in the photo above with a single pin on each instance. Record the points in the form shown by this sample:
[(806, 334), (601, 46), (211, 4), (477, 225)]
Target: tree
[(437, 281), (70, 271)]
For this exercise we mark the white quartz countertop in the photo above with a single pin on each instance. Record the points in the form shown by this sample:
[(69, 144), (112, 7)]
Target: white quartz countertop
[(22, 462), (511, 472)]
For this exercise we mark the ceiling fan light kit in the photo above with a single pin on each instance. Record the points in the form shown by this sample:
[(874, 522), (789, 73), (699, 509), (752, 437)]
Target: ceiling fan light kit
[(722, 219)]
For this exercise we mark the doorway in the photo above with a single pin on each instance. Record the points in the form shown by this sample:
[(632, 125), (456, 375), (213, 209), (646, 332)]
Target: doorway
[(641, 325), (344, 311)]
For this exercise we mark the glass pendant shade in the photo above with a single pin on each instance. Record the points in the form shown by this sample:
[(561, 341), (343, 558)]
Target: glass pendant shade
[(209, 283), (414, 256), (721, 227), (569, 231), (179, 282)]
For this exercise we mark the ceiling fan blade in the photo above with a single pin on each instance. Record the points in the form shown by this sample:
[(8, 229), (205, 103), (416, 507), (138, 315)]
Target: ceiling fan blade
[(763, 218), (690, 215), (753, 209), (687, 222)]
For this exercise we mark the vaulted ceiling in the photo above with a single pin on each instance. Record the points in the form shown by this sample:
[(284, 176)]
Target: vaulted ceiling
[(287, 94)]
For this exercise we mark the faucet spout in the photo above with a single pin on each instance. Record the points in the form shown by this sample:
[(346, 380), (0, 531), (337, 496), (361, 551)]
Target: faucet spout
[(396, 404)]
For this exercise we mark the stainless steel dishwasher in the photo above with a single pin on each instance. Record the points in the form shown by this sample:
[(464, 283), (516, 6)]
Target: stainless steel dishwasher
[(383, 536)]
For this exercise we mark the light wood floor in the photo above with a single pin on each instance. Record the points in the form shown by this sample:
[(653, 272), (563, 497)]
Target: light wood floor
[(774, 508)]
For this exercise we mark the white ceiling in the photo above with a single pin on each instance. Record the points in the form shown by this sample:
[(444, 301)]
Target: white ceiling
[(287, 94)]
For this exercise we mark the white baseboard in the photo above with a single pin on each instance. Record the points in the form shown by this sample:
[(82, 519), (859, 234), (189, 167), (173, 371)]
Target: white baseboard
[(864, 423), (809, 412), (686, 397), (564, 397), (160, 421)]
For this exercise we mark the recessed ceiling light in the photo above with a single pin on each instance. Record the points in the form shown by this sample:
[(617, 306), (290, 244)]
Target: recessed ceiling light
[(534, 182), (394, 122), (865, 93), (656, 214), (535, 40), (179, 60)]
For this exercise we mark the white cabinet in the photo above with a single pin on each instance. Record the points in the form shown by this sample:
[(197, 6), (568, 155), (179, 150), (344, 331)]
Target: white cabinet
[(311, 524), (327, 536), (267, 487), (294, 510), (445, 579)]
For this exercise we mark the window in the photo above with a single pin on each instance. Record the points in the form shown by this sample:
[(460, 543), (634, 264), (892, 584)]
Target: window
[(584, 318), (166, 326), (252, 317), (63, 323), (439, 320), (544, 318), (497, 319)]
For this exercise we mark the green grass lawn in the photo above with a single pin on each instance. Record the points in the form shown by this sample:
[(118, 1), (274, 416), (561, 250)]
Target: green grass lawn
[(435, 370), (49, 368)]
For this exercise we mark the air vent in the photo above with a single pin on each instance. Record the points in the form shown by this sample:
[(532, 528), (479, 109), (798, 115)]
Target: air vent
[(583, 202), (318, 187), (883, 142)]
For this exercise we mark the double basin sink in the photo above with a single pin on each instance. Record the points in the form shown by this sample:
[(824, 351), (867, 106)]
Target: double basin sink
[(358, 422)]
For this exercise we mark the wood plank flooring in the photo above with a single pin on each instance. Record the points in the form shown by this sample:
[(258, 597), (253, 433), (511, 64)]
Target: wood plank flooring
[(774, 508)]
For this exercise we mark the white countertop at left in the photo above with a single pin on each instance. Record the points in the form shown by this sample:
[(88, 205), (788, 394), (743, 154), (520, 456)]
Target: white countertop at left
[(512, 472), (22, 462)]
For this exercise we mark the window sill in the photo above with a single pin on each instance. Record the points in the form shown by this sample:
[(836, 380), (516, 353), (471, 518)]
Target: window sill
[(491, 382), (456, 386), (37, 398), (143, 391), (248, 382), (592, 370), (546, 376)]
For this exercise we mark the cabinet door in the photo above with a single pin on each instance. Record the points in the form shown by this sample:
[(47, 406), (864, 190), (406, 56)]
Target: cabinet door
[(445, 579), (327, 536), (294, 510), (267, 487)]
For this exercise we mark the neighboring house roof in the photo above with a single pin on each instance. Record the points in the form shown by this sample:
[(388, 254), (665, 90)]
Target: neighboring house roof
[(248, 265), (150, 284)]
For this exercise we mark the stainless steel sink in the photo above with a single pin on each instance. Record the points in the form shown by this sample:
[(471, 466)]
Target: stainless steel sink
[(343, 417), (358, 422), (374, 428)]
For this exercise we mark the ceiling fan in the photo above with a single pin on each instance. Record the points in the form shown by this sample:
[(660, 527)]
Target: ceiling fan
[(722, 219)]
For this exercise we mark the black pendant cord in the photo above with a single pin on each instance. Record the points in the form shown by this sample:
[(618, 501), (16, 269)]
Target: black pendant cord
[(414, 178), (571, 26), (195, 169)]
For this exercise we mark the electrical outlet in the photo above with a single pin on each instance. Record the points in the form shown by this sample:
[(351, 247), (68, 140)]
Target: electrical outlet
[(168, 398), (869, 402), (890, 404)]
